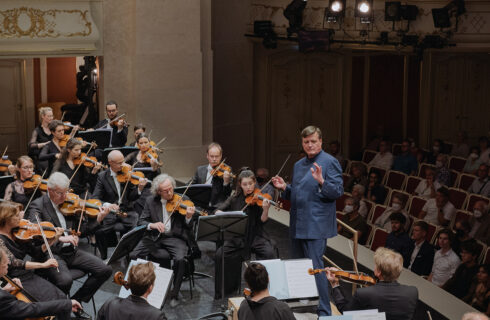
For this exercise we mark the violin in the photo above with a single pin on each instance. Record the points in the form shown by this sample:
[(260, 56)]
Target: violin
[(220, 170), (5, 163), (257, 198), (74, 205), (127, 174), (34, 181), (62, 143), (180, 205), (247, 292), (89, 162), (27, 230), (116, 120), (119, 280), (348, 276), (148, 156)]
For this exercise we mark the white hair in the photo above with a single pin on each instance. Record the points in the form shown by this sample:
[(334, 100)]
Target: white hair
[(359, 187), (112, 155), (474, 316), (59, 180), (161, 178)]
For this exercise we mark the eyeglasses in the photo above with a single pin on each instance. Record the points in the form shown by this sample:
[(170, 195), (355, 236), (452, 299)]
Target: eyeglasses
[(59, 193), (27, 168)]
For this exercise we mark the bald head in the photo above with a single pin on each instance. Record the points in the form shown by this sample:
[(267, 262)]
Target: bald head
[(116, 160)]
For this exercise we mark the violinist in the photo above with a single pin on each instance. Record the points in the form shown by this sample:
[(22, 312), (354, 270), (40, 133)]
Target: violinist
[(116, 195), (168, 231), (256, 238), (66, 249), (41, 135), (119, 129), (396, 300), (141, 279), (221, 186), (84, 178), (137, 130), (141, 160), (15, 190), (52, 150), (11, 308), (39, 288)]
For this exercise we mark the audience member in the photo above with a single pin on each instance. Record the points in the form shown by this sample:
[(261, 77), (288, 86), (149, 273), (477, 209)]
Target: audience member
[(481, 185), (353, 219), (480, 222), (334, 150), (422, 255), (405, 162), (428, 186), (462, 279), (437, 148), (462, 229), (383, 159), (443, 175), (461, 147), (484, 150), (479, 293), (375, 191), (473, 162), (358, 176), (398, 238), (358, 193), (397, 205), (438, 210), (445, 260)]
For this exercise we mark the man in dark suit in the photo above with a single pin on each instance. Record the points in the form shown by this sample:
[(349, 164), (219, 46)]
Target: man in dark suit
[(397, 301), (141, 278), (166, 231), (220, 186), (119, 131), (11, 308), (317, 183), (422, 255), (65, 250), (116, 197)]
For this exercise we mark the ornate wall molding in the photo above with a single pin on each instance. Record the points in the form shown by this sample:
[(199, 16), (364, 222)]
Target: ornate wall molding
[(50, 27)]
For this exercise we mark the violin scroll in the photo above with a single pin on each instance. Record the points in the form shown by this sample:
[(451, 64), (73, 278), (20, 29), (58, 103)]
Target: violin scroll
[(119, 280)]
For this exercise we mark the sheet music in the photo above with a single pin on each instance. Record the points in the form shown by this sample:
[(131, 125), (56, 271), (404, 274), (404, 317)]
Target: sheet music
[(344, 317), (160, 288), (300, 283), (370, 314), (278, 287)]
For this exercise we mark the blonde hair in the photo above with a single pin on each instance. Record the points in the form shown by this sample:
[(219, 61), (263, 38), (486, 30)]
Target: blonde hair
[(8, 210), (389, 263), (44, 110), (141, 277)]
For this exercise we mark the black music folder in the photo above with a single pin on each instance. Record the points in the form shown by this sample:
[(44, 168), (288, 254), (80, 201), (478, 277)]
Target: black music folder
[(102, 137), (124, 150)]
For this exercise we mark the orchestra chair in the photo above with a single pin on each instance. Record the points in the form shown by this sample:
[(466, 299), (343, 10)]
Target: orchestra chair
[(460, 216), (368, 155), (77, 275), (378, 239), (465, 180), (412, 183), (376, 212), (396, 180), (473, 198), (458, 197), (457, 163), (416, 205), (454, 178), (422, 168), (340, 201)]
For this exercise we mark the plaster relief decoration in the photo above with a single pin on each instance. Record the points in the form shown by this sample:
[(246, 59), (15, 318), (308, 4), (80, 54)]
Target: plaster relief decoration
[(46, 27)]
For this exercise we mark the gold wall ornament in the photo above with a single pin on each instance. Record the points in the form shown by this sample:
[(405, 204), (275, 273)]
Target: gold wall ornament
[(37, 23)]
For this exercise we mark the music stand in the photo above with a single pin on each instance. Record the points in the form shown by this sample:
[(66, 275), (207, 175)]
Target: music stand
[(200, 194), (221, 227), (127, 243), (124, 150), (102, 137), (4, 182)]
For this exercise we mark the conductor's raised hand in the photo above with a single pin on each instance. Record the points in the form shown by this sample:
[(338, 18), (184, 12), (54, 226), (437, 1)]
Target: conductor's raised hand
[(279, 183), (316, 172)]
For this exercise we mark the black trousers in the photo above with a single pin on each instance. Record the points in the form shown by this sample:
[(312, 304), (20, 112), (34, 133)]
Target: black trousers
[(98, 272), (111, 224), (175, 248), (40, 288), (235, 253)]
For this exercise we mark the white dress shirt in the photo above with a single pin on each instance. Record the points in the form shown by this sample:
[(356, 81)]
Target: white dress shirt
[(415, 252), (423, 190), (209, 177), (444, 266), (383, 161), (432, 210)]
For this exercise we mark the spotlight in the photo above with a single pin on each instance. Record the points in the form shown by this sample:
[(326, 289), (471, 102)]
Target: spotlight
[(364, 10), (335, 10), (294, 14), (393, 11), (441, 18)]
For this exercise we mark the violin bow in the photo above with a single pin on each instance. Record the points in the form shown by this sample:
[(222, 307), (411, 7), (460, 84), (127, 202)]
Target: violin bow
[(62, 115), (35, 190), (83, 210), (46, 243), (125, 186), (5, 151), (80, 164), (331, 262), (159, 142)]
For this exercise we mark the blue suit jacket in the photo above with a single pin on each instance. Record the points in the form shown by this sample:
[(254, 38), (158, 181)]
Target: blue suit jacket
[(313, 206)]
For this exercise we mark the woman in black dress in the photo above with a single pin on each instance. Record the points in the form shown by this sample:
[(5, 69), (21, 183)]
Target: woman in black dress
[(15, 190), (138, 160), (41, 135), (39, 288), (52, 151), (256, 239), (84, 178)]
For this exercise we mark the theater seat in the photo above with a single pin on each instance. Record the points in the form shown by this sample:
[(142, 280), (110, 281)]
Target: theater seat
[(412, 183), (465, 180), (457, 163), (396, 180), (379, 239), (416, 205), (457, 197)]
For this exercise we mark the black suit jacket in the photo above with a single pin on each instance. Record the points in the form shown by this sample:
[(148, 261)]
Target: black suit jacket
[(422, 265), (398, 301), (153, 213), (11, 308), (119, 139), (219, 192), (105, 190), (132, 307)]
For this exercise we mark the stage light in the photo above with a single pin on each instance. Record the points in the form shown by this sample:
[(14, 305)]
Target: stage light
[(393, 11), (294, 14), (335, 10), (364, 10), (336, 6)]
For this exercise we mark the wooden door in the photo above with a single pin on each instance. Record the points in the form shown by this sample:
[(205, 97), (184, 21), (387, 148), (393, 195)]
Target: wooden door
[(12, 119)]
